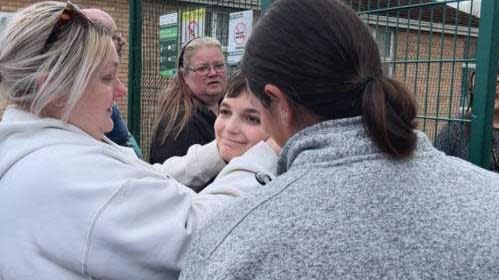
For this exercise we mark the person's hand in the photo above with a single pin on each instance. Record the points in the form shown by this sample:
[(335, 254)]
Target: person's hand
[(221, 153), (273, 144)]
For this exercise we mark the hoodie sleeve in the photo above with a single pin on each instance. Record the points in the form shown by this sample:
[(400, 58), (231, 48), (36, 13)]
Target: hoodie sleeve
[(197, 167), (144, 229)]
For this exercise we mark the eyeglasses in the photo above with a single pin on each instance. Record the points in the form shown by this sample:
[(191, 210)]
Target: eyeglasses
[(204, 69), (69, 13)]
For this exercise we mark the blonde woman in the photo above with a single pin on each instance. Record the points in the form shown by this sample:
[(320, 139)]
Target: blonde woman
[(190, 102), (74, 205)]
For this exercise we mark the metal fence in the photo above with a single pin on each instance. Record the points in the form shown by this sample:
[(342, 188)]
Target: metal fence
[(447, 57), (166, 25), (439, 52)]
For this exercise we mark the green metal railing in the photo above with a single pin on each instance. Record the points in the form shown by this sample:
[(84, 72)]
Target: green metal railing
[(435, 50), (483, 107), (433, 47), (135, 68), (265, 4)]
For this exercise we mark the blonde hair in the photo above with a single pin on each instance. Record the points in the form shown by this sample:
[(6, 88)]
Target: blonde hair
[(30, 77), (178, 103)]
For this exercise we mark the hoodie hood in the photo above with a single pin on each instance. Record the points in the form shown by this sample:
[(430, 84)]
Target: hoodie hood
[(23, 133)]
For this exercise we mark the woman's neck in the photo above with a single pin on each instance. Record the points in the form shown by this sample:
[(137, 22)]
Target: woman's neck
[(214, 108)]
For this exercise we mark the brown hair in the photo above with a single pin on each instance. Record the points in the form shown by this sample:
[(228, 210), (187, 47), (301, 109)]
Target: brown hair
[(236, 85), (330, 65)]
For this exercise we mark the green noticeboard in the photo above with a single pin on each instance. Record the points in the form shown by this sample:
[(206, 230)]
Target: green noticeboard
[(168, 44)]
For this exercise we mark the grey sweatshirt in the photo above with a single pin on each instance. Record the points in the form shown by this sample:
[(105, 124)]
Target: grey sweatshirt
[(341, 209)]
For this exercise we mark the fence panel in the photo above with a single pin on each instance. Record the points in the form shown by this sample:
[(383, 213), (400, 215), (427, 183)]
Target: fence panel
[(166, 26), (430, 46)]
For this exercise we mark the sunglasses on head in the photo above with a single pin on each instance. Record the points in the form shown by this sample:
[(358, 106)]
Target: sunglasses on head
[(68, 14)]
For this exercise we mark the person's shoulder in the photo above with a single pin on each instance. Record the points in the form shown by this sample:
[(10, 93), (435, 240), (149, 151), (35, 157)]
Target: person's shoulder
[(464, 172), (205, 114)]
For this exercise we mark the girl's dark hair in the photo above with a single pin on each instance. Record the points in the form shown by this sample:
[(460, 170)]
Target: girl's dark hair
[(330, 64), (236, 85)]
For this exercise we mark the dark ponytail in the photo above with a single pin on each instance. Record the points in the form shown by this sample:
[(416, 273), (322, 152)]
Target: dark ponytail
[(330, 65), (388, 114)]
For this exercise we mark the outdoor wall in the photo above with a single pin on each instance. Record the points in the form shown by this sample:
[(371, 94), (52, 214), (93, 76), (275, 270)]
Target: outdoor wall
[(118, 9), (433, 70)]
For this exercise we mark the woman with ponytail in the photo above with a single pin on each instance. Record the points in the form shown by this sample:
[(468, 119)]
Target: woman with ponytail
[(360, 192)]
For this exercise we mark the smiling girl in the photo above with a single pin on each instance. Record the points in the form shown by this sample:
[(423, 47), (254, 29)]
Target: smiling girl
[(238, 127)]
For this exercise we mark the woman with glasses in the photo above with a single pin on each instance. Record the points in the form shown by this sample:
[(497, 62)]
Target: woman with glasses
[(190, 102), (359, 193), (73, 204)]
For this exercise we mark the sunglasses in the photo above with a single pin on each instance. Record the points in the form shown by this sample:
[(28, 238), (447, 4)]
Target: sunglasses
[(68, 14)]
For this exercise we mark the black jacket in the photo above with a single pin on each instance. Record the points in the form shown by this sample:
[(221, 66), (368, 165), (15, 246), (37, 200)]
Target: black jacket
[(199, 130)]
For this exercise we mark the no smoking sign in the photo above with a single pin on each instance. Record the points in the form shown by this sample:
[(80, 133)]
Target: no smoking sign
[(240, 27), (240, 33)]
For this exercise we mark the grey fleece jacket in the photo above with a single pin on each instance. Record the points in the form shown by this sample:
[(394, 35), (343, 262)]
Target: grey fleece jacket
[(341, 209)]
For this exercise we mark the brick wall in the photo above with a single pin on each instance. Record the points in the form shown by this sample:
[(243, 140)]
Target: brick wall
[(433, 73), (118, 9)]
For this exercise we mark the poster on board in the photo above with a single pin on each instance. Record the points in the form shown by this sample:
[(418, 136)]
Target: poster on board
[(240, 27), (193, 22), (168, 44)]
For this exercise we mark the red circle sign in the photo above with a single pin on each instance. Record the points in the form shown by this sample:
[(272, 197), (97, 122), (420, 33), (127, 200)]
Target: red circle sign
[(240, 33), (192, 29)]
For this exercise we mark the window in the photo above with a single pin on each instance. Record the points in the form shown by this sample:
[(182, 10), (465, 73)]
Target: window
[(384, 39)]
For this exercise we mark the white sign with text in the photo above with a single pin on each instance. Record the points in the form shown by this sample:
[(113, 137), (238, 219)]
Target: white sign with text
[(240, 26)]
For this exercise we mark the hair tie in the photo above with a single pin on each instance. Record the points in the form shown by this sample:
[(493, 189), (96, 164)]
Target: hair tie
[(366, 81)]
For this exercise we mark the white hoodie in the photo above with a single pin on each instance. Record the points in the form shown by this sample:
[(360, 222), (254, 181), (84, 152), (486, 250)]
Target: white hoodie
[(73, 207)]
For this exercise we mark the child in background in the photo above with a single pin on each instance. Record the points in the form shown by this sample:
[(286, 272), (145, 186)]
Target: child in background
[(237, 128)]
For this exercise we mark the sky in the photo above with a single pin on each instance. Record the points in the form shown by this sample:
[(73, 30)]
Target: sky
[(465, 6)]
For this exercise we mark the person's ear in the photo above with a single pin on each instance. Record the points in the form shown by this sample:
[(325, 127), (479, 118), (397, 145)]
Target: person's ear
[(282, 103)]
